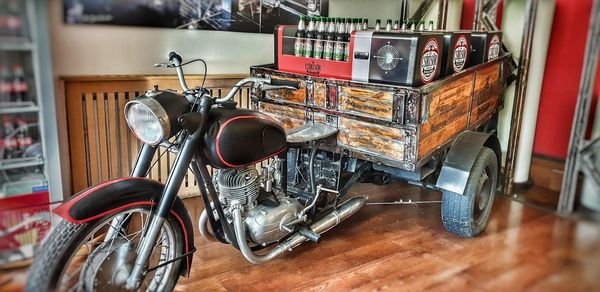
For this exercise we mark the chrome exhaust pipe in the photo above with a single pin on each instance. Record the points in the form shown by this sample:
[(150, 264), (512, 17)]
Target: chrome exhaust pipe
[(321, 226)]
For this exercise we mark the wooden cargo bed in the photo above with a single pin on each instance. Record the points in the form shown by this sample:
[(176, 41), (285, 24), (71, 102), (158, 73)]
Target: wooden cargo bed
[(396, 126)]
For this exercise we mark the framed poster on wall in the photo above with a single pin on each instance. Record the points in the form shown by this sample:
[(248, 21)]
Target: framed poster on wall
[(258, 16)]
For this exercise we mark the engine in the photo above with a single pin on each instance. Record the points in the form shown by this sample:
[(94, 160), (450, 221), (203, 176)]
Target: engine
[(267, 211)]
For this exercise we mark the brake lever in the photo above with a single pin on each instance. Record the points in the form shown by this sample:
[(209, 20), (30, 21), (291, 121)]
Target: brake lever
[(164, 65)]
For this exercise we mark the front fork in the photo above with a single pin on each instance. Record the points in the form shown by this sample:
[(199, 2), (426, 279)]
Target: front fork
[(180, 167), (140, 169)]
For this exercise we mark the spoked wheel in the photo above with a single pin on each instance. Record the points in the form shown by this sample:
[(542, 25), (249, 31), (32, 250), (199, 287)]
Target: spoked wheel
[(86, 257), (467, 214)]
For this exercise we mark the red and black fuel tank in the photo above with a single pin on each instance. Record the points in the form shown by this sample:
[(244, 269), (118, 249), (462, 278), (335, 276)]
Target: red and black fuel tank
[(240, 137)]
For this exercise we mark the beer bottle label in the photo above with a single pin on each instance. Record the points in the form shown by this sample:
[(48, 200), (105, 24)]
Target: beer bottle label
[(308, 48), (328, 50), (299, 47), (346, 52), (318, 49), (338, 53)]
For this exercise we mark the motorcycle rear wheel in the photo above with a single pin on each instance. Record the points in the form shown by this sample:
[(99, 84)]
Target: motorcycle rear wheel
[(79, 256)]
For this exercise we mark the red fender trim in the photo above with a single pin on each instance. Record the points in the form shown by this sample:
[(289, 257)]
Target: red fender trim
[(113, 193)]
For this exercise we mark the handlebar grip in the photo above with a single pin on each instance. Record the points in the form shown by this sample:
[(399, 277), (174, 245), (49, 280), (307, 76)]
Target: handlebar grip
[(280, 82), (173, 55)]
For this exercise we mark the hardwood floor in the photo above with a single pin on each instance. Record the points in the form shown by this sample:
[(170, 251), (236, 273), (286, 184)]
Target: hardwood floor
[(405, 247)]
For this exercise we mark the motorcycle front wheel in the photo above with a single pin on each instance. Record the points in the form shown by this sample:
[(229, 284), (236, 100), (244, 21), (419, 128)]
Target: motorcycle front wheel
[(87, 257)]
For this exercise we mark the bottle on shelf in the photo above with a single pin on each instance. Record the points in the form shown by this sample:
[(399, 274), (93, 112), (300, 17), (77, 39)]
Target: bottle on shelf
[(365, 24), (388, 25), (338, 51), (3, 17), (20, 90), (310, 38), (14, 23), (320, 39), (378, 25), (430, 27), (422, 25), (330, 40), (403, 27), (413, 25), (358, 24), (23, 137), (5, 84), (10, 141), (351, 29), (396, 25), (300, 37)]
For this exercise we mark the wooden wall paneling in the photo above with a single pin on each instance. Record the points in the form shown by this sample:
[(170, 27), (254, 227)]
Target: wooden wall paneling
[(92, 154), (114, 156), (101, 146)]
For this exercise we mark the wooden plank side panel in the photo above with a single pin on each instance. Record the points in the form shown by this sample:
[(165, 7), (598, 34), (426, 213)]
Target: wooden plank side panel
[(372, 103), (372, 138), (487, 94), (288, 116), (448, 114), (77, 135)]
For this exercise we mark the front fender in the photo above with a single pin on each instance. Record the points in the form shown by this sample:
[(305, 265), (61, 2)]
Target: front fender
[(461, 157), (113, 196)]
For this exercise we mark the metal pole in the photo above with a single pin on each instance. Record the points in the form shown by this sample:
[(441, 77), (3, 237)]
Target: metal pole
[(422, 10), (477, 16), (442, 14), (582, 111), (404, 11), (520, 92)]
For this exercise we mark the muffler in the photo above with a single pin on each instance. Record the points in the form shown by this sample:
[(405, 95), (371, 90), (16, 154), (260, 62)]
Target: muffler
[(321, 226)]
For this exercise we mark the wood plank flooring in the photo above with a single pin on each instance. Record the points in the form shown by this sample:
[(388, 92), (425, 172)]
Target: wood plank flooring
[(405, 248), (393, 247)]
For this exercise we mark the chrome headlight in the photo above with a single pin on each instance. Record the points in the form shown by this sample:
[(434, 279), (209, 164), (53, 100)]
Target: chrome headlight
[(148, 120)]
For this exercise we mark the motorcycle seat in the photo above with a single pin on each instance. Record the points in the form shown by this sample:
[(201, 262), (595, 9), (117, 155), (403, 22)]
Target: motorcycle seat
[(309, 132)]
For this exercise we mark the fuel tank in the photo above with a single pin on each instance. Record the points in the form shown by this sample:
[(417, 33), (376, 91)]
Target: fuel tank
[(240, 137)]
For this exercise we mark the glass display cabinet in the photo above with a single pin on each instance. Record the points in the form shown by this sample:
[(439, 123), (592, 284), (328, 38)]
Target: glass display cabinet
[(26, 95)]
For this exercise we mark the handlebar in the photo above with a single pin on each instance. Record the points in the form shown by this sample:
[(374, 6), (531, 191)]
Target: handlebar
[(175, 61)]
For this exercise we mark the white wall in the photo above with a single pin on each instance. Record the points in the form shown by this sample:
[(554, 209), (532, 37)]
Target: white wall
[(116, 50), (122, 50)]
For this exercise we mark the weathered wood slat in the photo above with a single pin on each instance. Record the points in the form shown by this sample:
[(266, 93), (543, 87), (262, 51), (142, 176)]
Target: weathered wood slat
[(294, 96), (487, 93), (370, 137), (320, 94), (288, 116), (448, 112), (378, 104)]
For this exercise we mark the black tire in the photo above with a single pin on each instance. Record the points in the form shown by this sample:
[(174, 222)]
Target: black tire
[(467, 214), (57, 249)]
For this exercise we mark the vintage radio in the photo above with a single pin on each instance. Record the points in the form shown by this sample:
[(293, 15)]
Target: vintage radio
[(486, 46), (456, 53), (402, 58)]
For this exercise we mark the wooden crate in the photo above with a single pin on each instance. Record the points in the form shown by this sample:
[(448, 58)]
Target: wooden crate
[(393, 125)]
